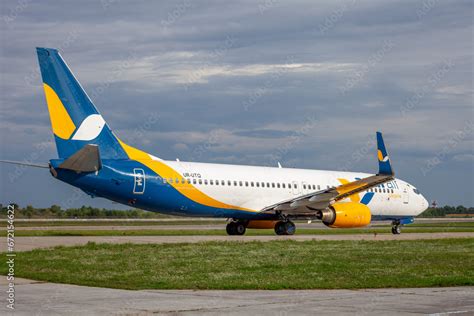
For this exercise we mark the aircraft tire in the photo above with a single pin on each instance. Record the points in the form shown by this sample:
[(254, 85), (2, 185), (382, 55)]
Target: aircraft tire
[(231, 229)]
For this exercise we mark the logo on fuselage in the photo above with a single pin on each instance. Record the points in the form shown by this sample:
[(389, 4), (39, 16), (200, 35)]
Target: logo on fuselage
[(139, 181)]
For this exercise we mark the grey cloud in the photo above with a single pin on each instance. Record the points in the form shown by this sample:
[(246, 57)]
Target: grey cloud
[(136, 55)]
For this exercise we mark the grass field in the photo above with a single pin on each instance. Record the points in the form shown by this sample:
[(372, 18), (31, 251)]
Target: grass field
[(255, 265), (3, 223), (416, 228)]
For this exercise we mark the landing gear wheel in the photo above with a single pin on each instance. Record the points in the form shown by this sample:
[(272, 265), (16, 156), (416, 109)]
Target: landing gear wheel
[(239, 228), (285, 228), (230, 228), (396, 230), (396, 227), (235, 228)]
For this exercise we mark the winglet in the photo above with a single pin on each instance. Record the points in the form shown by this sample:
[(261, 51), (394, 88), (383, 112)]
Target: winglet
[(385, 167)]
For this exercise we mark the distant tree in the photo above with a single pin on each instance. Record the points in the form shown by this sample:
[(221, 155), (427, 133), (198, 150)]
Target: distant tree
[(29, 211)]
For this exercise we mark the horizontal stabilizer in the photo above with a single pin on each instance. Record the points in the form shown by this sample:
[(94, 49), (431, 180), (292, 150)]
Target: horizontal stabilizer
[(86, 159), (26, 164)]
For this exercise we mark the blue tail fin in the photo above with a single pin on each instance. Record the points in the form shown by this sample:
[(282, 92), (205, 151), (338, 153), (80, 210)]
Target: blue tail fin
[(74, 118), (385, 167)]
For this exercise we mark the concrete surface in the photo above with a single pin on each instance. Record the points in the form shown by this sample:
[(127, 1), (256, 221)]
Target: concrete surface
[(38, 298), (29, 243)]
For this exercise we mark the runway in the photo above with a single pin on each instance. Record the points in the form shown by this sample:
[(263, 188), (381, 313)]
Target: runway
[(29, 243), (39, 298)]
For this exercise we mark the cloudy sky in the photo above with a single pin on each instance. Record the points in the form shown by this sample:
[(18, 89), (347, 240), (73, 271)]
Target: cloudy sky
[(306, 83)]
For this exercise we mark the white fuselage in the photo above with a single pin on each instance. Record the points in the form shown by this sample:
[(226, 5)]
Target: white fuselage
[(255, 187)]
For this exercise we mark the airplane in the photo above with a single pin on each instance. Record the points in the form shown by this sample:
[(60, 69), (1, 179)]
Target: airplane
[(91, 157)]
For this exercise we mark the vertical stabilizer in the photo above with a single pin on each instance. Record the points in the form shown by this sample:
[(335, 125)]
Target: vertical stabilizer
[(75, 120)]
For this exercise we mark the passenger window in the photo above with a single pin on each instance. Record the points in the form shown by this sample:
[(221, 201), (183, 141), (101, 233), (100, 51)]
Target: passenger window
[(273, 184), (235, 183), (283, 185), (194, 181), (268, 184), (304, 186), (217, 182), (246, 183), (200, 181), (251, 183), (183, 180), (258, 184), (229, 183), (319, 187), (205, 182), (211, 182), (240, 183), (170, 180), (188, 181), (177, 180), (164, 180), (263, 184)]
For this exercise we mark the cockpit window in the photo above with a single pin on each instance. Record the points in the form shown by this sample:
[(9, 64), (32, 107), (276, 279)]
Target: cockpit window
[(416, 191)]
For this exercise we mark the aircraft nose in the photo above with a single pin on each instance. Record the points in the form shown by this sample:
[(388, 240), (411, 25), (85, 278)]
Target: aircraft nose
[(424, 204)]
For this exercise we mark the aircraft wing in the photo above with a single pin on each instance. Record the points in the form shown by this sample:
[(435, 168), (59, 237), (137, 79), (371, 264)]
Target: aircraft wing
[(309, 203)]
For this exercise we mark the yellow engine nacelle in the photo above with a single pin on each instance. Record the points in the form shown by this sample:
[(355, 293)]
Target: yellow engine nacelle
[(346, 215)]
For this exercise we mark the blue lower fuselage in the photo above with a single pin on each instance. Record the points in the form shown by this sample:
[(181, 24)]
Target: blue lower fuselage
[(117, 182)]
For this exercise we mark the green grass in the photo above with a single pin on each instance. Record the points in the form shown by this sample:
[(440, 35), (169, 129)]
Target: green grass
[(255, 265), (221, 231)]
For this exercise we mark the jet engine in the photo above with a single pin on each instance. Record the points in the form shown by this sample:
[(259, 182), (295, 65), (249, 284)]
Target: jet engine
[(346, 215)]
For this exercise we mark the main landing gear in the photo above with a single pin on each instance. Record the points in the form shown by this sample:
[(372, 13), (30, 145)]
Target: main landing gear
[(396, 228), (236, 228), (285, 228)]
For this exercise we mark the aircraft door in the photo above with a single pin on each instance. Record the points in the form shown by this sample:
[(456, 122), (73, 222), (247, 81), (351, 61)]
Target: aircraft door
[(405, 195), (139, 181), (296, 188)]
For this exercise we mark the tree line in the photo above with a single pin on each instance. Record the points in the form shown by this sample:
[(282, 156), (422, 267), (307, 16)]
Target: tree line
[(55, 211)]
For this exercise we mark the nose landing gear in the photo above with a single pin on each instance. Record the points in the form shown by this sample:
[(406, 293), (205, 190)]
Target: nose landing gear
[(396, 228)]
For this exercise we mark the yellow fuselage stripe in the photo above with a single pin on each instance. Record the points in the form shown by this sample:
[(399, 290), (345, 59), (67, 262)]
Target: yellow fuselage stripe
[(166, 172), (353, 197)]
